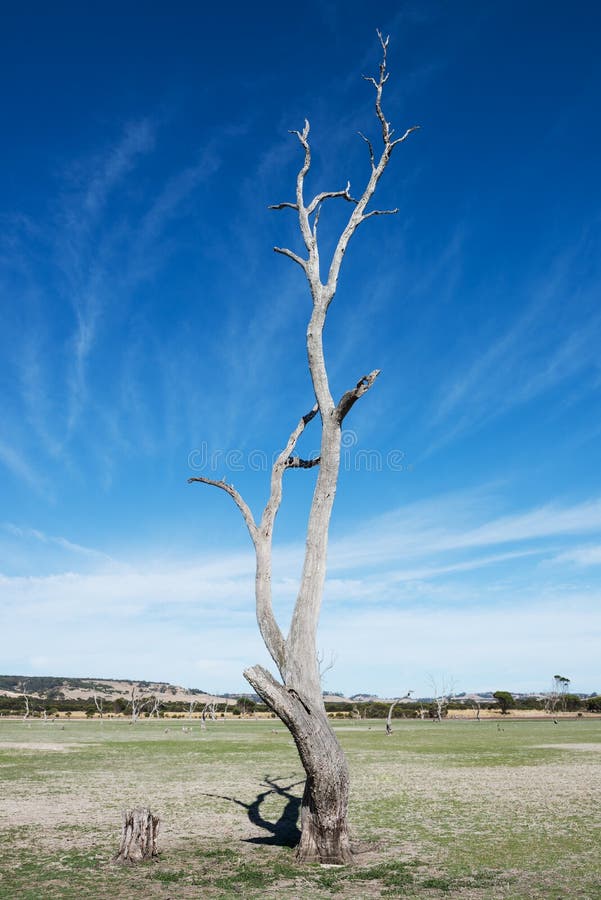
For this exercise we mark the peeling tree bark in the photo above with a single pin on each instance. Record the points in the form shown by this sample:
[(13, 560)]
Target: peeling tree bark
[(297, 699)]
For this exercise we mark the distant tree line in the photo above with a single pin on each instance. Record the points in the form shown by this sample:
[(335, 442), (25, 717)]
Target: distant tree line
[(54, 703)]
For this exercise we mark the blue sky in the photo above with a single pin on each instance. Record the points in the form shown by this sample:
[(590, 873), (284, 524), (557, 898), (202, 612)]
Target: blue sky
[(148, 329)]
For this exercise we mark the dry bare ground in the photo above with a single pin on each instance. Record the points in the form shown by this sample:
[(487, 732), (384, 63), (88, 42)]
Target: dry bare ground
[(455, 809)]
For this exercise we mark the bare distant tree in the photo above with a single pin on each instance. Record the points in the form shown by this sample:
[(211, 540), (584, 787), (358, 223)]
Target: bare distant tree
[(23, 689), (154, 706), (324, 666), (137, 702), (564, 685), (557, 695), (209, 710), (476, 706), (297, 699), (98, 702), (443, 694), (392, 706)]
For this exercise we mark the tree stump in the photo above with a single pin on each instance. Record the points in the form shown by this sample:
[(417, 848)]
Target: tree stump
[(138, 837)]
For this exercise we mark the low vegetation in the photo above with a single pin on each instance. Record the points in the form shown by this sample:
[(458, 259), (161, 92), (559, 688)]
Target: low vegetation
[(489, 809)]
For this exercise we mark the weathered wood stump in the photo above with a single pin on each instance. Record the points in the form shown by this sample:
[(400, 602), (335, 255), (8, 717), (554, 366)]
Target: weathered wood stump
[(138, 837)]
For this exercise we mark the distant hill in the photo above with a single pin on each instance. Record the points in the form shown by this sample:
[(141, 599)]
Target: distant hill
[(46, 687)]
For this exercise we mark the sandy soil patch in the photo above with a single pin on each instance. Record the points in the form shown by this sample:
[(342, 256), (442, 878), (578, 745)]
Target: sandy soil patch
[(33, 745), (586, 747)]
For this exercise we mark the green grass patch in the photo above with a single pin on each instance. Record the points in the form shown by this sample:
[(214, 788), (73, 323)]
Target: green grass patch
[(451, 808)]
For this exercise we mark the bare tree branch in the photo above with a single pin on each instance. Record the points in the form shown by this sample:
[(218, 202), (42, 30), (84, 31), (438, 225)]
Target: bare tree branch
[(284, 461), (348, 400), (295, 462), (297, 259), (325, 293), (236, 497), (303, 217), (330, 195), (405, 136), (372, 158), (387, 131), (380, 212), (262, 537), (377, 169), (270, 630)]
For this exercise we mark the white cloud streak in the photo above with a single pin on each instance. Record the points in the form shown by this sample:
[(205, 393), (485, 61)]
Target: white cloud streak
[(408, 606), (18, 466)]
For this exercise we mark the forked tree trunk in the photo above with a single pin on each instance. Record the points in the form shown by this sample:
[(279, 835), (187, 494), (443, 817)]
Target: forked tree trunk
[(138, 837), (324, 808)]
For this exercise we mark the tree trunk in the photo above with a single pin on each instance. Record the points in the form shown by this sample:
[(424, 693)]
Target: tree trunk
[(324, 810), (138, 837)]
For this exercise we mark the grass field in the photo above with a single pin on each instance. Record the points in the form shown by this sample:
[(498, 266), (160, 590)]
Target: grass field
[(458, 809)]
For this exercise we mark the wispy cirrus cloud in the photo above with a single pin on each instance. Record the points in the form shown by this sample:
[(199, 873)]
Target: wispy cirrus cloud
[(206, 613), (454, 523), (36, 535), (587, 555), (84, 246), (109, 168), (15, 462), (448, 583), (551, 343), (76, 275)]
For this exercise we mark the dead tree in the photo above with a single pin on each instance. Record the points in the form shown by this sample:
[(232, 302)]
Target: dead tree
[(26, 701), (323, 665), (154, 706), (208, 710), (139, 835), (392, 706), (557, 694), (297, 699), (98, 703), (442, 697), (137, 703)]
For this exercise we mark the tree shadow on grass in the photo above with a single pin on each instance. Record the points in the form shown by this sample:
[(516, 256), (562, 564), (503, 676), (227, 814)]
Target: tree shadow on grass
[(282, 833)]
